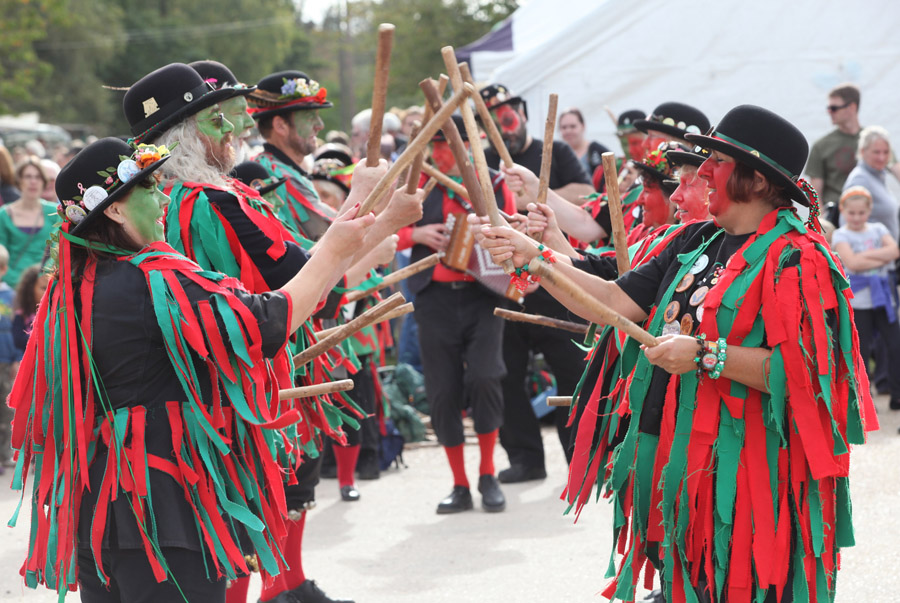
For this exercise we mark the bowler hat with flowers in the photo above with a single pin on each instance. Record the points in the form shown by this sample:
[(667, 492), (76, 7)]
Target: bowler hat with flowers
[(220, 76), (167, 96), (674, 119), (287, 91), (766, 142), (102, 173), (656, 165)]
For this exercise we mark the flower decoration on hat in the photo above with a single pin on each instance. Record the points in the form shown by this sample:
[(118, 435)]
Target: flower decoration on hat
[(657, 160), (299, 88), (111, 179)]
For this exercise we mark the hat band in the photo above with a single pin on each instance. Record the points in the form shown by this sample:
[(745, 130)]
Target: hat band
[(172, 106), (754, 152), (320, 97)]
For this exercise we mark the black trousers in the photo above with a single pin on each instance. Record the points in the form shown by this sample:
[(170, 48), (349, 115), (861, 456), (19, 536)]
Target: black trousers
[(367, 436), (520, 435), (870, 322), (460, 340), (131, 578)]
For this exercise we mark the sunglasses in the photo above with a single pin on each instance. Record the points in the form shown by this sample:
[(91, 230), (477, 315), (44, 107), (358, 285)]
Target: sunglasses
[(833, 108)]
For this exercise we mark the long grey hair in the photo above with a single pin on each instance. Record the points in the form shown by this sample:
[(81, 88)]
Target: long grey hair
[(189, 162)]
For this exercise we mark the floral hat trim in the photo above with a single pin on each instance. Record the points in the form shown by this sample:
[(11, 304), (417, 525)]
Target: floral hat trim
[(294, 91), (78, 207)]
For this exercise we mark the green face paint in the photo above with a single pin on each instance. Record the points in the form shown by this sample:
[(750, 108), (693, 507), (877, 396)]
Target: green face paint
[(235, 110), (144, 210), (307, 123), (213, 124)]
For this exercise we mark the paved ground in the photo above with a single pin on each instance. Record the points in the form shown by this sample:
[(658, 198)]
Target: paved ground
[(391, 547)]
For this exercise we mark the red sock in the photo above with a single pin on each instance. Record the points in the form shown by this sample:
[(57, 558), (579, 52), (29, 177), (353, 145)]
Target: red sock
[(237, 592), (291, 548), (457, 465), (345, 457), (487, 441)]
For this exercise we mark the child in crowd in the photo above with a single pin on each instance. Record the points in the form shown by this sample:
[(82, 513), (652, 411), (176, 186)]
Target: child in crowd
[(9, 361), (29, 292), (868, 253)]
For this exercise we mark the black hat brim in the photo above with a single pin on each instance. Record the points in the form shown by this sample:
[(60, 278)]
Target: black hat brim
[(684, 158), (645, 125), (272, 111), (332, 180), (271, 187), (207, 100), (661, 179), (757, 163), (117, 195)]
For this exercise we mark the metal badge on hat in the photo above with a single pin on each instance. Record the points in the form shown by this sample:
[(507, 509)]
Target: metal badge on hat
[(150, 107)]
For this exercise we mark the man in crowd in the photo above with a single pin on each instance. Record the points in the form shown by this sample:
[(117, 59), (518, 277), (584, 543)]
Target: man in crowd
[(833, 156)]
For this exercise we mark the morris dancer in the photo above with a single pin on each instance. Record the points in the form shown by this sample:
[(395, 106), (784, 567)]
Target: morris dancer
[(773, 351)]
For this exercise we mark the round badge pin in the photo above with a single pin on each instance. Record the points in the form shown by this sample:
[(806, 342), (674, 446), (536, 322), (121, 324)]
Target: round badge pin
[(93, 197), (671, 312), (687, 324), (700, 265), (671, 328), (685, 283), (127, 169), (75, 214), (699, 295), (699, 312)]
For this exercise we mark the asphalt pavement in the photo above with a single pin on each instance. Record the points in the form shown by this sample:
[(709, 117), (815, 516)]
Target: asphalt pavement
[(391, 546)]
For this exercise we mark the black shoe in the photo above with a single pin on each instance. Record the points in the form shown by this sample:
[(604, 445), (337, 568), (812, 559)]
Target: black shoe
[(894, 404), (492, 499), (283, 597), (367, 466), (521, 473), (655, 596), (459, 500), (308, 592), (349, 493)]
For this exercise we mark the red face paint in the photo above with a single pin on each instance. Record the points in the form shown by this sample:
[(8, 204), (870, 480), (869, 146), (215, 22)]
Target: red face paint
[(636, 145), (657, 209), (507, 119), (691, 198), (716, 172), (652, 142), (442, 156)]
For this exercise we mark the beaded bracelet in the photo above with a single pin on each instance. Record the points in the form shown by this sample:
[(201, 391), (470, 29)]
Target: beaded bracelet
[(721, 355), (711, 357), (522, 277)]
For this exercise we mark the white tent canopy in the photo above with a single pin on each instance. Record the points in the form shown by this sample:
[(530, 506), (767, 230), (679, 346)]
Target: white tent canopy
[(784, 56)]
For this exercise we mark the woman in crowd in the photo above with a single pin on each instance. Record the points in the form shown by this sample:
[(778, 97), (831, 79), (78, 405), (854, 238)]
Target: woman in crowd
[(571, 128), (874, 153), (765, 366), (26, 224), (146, 400), (8, 190)]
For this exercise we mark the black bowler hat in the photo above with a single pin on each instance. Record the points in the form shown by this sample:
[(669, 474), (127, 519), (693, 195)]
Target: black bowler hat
[(625, 123), (165, 97), (101, 173), (334, 150), (256, 177), (495, 95), (220, 76), (674, 119), (287, 91), (763, 140), (656, 165), (695, 156), (334, 170)]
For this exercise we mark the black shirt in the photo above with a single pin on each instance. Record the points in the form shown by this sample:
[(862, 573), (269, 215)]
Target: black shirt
[(647, 284), (131, 358), (565, 167)]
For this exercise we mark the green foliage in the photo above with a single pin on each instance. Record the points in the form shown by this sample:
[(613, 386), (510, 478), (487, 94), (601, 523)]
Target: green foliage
[(23, 22)]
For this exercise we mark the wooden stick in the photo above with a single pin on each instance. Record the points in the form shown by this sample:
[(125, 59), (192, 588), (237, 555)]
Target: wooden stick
[(396, 277), (487, 121), (481, 169), (416, 168), (559, 401), (396, 313), (407, 157), (443, 80), (457, 147), (379, 92), (544, 321), (319, 389), (445, 180), (614, 199), (429, 186), (546, 157), (412, 177), (346, 330), (607, 315)]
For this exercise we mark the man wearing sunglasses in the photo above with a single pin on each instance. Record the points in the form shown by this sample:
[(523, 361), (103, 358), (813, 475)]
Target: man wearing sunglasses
[(834, 155)]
